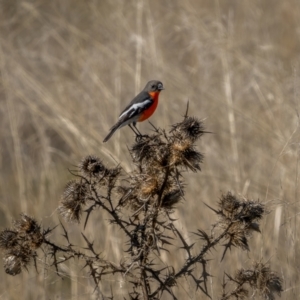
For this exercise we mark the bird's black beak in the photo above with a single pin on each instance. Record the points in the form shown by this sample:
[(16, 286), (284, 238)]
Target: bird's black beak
[(160, 87)]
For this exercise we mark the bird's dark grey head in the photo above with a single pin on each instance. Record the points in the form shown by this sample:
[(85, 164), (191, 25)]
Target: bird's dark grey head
[(153, 86)]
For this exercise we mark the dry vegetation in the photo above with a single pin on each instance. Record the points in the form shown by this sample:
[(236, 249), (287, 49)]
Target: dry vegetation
[(67, 69)]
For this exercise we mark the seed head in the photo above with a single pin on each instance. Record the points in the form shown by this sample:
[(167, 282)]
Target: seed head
[(262, 279), (12, 264), (151, 153), (26, 224), (8, 239), (15, 261), (74, 197), (190, 128), (148, 187), (237, 236), (182, 153), (243, 210), (267, 281), (92, 167)]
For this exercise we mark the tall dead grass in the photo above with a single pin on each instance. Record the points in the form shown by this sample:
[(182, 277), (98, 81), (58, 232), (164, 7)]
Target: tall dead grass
[(67, 69)]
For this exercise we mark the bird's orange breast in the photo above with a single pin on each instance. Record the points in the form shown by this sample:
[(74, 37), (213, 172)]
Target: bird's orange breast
[(149, 112)]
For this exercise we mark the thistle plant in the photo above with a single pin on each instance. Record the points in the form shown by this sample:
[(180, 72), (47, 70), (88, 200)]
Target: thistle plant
[(141, 204)]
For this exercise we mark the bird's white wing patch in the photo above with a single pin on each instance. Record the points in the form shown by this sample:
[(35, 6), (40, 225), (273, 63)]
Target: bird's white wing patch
[(136, 107)]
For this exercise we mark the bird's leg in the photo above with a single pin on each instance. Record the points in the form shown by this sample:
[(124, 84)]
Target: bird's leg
[(134, 125), (137, 133), (140, 135)]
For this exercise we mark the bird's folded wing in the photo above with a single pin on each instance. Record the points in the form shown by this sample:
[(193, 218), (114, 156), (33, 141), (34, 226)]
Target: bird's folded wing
[(134, 109)]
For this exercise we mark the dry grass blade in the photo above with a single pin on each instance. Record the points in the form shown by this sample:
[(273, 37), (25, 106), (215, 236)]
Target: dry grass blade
[(68, 67)]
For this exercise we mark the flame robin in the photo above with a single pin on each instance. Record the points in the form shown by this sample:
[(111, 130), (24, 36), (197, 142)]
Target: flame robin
[(139, 109)]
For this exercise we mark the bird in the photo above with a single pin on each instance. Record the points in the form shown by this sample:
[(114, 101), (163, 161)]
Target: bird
[(139, 109)]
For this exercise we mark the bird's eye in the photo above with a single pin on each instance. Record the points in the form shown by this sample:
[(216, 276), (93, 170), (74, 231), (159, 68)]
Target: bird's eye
[(153, 86)]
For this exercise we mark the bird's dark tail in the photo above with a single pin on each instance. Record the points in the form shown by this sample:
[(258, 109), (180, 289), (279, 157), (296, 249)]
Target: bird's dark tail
[(111, 132)]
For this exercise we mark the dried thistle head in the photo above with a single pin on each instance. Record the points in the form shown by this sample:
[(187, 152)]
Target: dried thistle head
[(73, 198), (26, 224), (14, 261), (19, 243), (92, 167), (190, 129), (237, 237), (243, 276), (36, 240), (142, 149), (144, 189), (242, 210), (189, 158), (28, 231), (12, 264), (8, 239), (182, 150), (229, 204), (182, 153), (262, 279), (180, 145), (251, 211), (141, 189), (149, 186), (239, 218), (151, 153), (268, 282)]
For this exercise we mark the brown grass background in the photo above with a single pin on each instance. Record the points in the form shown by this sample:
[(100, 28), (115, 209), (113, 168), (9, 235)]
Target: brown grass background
[(67, 68)]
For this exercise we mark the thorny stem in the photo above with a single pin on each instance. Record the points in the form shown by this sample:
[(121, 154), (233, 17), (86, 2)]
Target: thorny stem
[(145, 286), (194, 260), (112, 212), (71, 251), (204, 250), (146, 244)]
